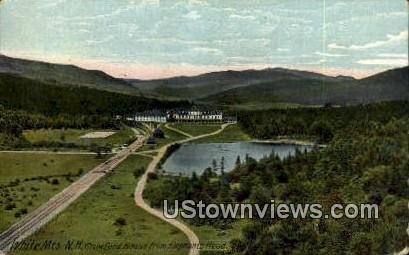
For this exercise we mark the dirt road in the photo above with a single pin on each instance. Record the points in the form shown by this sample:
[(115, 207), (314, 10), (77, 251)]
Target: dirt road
[(193, 239), (43, 214)]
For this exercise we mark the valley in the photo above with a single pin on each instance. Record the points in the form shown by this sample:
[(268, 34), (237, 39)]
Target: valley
[(120, 172)]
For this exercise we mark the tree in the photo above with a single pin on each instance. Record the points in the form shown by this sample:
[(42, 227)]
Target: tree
[(238, 161), (214, 165), (222, 165), (323, 131), (158, 133)]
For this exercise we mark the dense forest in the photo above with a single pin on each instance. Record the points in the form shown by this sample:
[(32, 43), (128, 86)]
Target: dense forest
[(366, 161), (37, 97), (321, 123)]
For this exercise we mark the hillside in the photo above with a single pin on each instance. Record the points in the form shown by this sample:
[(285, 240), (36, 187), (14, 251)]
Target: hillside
[(386, 86), (254, 89), (217, 82), (64, 75), (38, 97)]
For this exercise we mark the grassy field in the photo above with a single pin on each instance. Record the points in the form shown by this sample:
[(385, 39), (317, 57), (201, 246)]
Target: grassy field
[(28, 180), (107, 213), (55, 135), (196, 129), (232, 133), (65, 137)]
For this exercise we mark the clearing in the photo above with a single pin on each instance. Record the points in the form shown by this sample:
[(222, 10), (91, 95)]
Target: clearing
[(107, 213), (97, 134), (29, 180)]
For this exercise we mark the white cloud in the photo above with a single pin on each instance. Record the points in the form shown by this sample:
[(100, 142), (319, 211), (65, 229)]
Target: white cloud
[(283, 50), (331, 55), (392, 55), (384, 62), (192, 15), (236, 16), (198, 2), (207, 50), (53, 4), (150, 2), (103, 40), (392, 14), (391, 39)]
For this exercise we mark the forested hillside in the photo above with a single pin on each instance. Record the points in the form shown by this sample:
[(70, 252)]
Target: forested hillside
[(387, 86), (201, 86), (37, 97), (64, 75), (366, 161)]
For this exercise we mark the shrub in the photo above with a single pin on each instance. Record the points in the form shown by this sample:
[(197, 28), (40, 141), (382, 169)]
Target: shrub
[(158, 133), (138, 172), (10, 206), (120, 222), (152, 176)]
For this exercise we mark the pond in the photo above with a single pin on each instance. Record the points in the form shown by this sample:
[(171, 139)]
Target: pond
[(191, 158)]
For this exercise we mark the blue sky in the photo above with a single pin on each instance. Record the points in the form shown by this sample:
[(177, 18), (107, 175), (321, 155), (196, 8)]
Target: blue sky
[(152, 38)]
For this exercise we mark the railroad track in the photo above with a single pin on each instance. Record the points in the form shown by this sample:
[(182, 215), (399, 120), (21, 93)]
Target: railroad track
[(43, 214)]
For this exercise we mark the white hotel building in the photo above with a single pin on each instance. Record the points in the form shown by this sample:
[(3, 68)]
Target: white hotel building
[(178, 115)]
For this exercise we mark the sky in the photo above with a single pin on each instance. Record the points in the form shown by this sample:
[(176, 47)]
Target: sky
[(149, 39)]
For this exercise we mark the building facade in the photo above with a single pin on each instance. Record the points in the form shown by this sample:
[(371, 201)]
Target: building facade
[(178, 115)]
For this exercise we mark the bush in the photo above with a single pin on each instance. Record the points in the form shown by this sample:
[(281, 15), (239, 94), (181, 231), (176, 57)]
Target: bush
[(138, 172), (10, 206), (120, 222), (152, 176), (158, 133), (55, 182)]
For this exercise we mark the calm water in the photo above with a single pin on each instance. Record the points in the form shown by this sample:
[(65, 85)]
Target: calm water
[(191, 158)]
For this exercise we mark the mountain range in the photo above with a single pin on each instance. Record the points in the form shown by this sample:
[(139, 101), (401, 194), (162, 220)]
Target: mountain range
[(242, 89)]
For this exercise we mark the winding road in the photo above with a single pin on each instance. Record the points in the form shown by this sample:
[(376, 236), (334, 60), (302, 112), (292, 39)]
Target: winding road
[(193, 239), (46, 212)]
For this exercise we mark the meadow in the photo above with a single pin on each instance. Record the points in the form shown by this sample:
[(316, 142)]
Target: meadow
[(107, 214), (232, 133), (57, 138), (196, 128), (29, 180)]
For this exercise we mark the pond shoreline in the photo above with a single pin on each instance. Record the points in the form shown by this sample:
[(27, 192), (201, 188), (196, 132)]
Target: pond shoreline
[(289, 141), (197, 157), (279, 141)]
